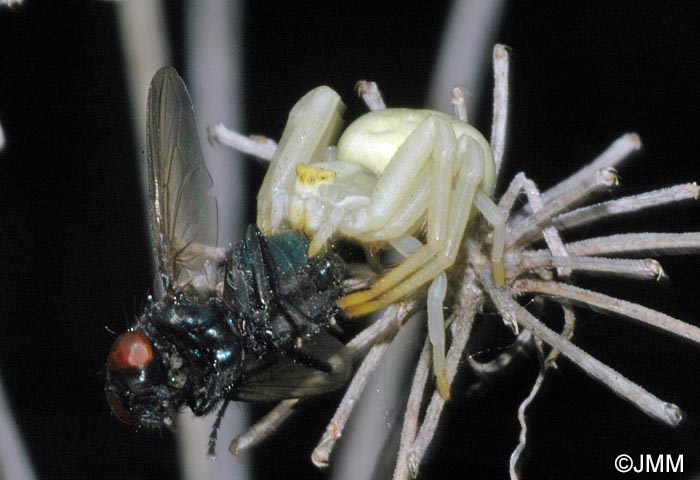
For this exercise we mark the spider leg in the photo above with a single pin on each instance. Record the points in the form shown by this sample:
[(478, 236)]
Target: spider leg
[(312, 125), (497, 219), (460, 211), (408, 276), (400, 177), (436, 331), (409, 215), (433, 139)]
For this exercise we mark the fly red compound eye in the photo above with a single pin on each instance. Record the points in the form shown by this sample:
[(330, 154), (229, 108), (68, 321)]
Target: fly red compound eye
[(118, 410), (130, 350)]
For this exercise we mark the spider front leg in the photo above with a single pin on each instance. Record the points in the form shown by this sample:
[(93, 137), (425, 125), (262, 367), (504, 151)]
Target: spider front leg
[(313, 124)]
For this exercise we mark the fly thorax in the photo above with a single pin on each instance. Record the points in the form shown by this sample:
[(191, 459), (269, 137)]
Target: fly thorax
[(201, 354)]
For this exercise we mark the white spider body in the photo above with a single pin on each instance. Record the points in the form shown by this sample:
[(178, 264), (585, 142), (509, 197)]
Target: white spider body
[(372, 139), (394, 172)]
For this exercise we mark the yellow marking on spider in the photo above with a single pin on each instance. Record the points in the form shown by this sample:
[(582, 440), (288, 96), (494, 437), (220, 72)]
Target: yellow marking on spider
[(311, 177), (499, 273)]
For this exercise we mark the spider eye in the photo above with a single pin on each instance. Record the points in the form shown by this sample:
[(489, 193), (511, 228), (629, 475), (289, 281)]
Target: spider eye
[(130, 350)]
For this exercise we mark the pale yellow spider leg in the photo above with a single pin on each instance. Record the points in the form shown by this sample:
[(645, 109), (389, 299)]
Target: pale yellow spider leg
[(328, 228), (436, 331), (398, 180), (468, 183), (467, 186), (313, 124), (409, 216), (497, 219), (443, 155), (405, 245)]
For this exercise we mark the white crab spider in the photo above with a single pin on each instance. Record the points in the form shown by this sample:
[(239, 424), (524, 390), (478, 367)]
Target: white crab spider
[(393, 173)]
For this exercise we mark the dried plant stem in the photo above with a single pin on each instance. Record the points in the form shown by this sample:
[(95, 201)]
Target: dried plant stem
[(589, 299), (385, 327), (566, 333), (530, 227), (255, 145), (613, 157), (263, 428), (556, 247), (463, 317), (551, 235), (519, 348), (522, 438), (653, 406), (626, 205), (411, 416), (459, 105), (369, 91), (501, 65), (335, 428), (639, 244), (646, 269)]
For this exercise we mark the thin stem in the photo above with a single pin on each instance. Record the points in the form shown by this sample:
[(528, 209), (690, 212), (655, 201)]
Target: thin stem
[(589, 299), (566, 333), (638, 244), (411, 416), (263, 428), (505, 359), (499, 123), (256, 145), (335, 428), (653, 406), (625, 205), (646, 269), (613, 157), (459, 105), (530, 227), (369, 91), (551, 235), (522, 438), (385, 327), (465, 310)]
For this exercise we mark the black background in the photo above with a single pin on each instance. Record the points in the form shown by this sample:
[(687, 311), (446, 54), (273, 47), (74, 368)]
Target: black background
[(73, 252)]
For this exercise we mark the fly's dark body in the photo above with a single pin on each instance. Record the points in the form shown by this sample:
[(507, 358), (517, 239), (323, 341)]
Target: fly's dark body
[(278, 295), (250, 324)]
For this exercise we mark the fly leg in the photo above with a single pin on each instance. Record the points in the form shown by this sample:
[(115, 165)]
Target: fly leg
[(211, 451)]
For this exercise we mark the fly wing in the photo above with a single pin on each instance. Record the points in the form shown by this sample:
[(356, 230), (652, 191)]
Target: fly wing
[(183, 214), (289, 379)]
